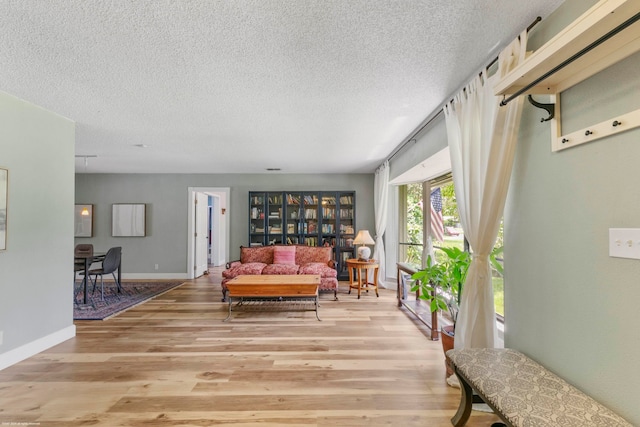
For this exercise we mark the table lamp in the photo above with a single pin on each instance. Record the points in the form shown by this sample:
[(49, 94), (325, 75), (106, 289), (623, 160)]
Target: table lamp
[(364, 238)]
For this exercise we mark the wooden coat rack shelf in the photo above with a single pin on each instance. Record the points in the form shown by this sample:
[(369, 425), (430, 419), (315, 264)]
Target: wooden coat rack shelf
[(605, 34)]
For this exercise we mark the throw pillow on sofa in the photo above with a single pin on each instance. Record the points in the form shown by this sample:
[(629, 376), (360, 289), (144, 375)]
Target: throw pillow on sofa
[(284, 255)]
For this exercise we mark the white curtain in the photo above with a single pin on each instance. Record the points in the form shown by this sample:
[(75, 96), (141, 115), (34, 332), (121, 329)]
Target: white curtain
[(380, 201), (482, 139)]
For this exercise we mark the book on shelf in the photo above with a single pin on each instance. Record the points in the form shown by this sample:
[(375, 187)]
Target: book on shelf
[(275, 199), (346, 229), (311, 241), (255, 213), (328, 200), (346, 200), (328, 228), (328, 213), (346, 213), (293, 199), (311, 200)]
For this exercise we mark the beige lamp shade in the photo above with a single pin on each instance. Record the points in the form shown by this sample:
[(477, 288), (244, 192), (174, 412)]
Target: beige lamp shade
[(364, 238)]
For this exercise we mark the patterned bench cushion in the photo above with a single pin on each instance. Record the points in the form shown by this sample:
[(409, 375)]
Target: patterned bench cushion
[(526, 393)]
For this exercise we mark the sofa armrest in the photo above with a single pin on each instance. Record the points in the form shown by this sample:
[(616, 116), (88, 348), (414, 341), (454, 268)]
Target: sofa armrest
[(232, 264)]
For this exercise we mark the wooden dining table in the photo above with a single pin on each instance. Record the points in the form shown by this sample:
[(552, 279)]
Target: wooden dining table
[(87, 260)]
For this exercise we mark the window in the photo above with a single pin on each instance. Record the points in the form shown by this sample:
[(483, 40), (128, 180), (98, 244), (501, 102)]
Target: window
[(411, 233), (442, 222)]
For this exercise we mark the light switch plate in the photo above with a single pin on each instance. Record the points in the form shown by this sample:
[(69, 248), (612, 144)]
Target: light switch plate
[(624, 243)]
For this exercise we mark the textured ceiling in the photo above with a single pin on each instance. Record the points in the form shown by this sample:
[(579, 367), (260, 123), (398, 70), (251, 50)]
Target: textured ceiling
[(238, 86)]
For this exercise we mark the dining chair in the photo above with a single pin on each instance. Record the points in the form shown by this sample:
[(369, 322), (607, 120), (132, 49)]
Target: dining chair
[(110, 264), (83, 249)]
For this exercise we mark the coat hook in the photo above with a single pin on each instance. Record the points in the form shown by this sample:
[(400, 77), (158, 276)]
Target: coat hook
[(588, 132), (616, 123), (550, 108)]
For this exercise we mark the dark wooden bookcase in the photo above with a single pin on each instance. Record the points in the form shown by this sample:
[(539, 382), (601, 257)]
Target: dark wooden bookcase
[(312, 218)]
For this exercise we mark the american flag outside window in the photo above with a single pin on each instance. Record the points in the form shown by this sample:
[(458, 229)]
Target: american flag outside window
[(437, 225)]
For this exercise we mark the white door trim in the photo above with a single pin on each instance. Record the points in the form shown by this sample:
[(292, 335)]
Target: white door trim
[(222, 252)]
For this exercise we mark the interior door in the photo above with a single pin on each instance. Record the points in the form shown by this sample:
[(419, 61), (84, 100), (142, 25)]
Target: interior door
[(201, 239)]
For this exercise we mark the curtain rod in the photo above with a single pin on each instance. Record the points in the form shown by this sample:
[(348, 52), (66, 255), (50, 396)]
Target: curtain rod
[(572, 58), (413, 135), (440, 109)]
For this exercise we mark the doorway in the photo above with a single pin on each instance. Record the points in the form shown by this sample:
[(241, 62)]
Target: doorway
[(208, 225)]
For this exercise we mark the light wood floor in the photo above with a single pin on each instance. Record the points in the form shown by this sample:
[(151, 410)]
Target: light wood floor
[(173, 362)]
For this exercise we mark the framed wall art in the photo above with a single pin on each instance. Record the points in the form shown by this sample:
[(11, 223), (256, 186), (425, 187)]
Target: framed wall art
[(83, 220), (4, 195), (128, 220)]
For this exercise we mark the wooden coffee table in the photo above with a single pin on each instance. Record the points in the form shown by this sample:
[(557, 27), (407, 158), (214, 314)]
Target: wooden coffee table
[(284, 292)]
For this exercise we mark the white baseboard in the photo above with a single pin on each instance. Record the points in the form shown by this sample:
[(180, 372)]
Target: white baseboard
[(21, 353)]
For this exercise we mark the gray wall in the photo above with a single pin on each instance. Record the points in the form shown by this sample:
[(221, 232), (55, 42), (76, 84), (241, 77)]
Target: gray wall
[(428, 142), (35, 271), (166, 197), (567, 303)]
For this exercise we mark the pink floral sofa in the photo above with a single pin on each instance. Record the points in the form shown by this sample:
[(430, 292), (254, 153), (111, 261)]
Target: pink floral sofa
[(289, 259)]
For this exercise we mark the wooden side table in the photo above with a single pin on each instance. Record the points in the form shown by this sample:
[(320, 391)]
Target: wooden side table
[(362, 268)]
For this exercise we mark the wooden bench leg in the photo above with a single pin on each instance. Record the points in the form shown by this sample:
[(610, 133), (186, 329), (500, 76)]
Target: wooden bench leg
[(466, 399)]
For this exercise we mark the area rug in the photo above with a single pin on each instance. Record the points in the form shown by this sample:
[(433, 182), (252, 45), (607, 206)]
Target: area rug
[(133, 293)]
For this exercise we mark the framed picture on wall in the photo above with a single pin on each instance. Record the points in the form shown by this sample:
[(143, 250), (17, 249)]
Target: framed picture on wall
[(128, 220), (83, 221), (4, 194)]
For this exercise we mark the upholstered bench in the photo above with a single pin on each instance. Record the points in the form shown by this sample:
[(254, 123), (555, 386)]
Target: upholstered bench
[(522, 392)]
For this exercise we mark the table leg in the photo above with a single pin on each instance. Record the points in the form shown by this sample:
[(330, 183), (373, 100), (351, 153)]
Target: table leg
[(375, 280), (317, 305), (229, 315), (359, 281), (86, 277)]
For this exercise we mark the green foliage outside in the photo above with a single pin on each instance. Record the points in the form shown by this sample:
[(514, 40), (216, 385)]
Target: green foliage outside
[(451, 219), (498, 294), (414, 224)]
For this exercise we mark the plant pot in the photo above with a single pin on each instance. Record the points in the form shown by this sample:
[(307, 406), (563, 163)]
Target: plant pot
[(446, 336)]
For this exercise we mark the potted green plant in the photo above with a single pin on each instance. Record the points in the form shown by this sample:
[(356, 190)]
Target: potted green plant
[(441, 285)]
